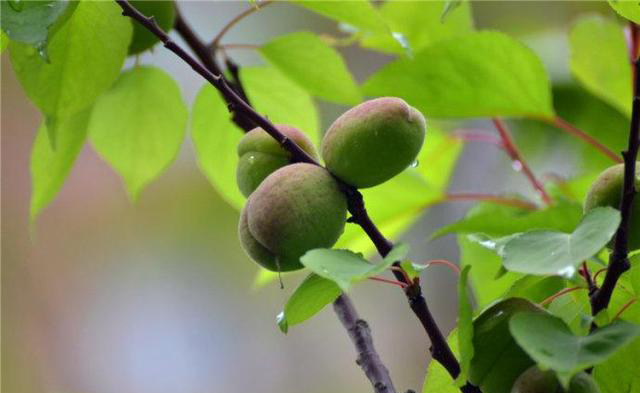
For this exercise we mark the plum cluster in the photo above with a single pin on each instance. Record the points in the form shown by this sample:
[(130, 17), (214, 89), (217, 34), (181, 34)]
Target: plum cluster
[(295, 207)]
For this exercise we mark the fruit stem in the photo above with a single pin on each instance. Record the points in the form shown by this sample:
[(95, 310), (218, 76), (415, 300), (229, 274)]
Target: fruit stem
[(385, 280), (515, 155)]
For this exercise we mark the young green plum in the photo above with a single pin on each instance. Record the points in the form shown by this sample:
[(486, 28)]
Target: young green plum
[(162, 11), (535, 380), (260, 155), (606, 190), (297, 208), (374, 141)]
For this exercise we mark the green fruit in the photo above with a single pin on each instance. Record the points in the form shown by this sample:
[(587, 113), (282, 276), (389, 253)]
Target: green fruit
[(374, 141), (297, 208), (498, 360), (607, 191), (535, 380), (164, 14), (260, 155)]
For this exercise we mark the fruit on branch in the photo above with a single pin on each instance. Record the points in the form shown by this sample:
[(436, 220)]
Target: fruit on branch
[(297, 208), (535, 380), (374, 141), (498, 360), (260, 155), (162, 11), (606, 190)]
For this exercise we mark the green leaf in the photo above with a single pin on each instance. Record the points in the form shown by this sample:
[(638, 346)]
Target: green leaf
[(31, 23), (412, 269), (308, 299), (437, 379), (548, 340), (500, 220), (345, 267), (535, 288), (360, 14), (85, 58), (498, 360), (216, 137), (546, 252), (574, 309), (420, 23), (4, 41), (476, 74), (50, 167), (138, 125), (599, 60), (627, 9), (313, 65), (465, 327)]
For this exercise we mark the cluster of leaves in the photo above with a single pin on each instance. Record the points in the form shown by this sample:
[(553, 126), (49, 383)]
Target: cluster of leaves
[(69, 56)]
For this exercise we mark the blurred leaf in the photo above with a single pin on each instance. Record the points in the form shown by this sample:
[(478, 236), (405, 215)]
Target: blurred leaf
[(281, 100), (163, 12), (627, 9), (449, 6), (599, 60), (313, 65), (548, 340), (486, 264), (4, 41), (50, 167), (535, 288), (476, 74), (345, 267), (31, 24), (360, 14), (547, 252), (85, 58), (574, 309), (138, 125), (500, 220), (437, 379), (420, 23), (399, 202), (308, 299), (498, 360), (465, 327), (216, 137)]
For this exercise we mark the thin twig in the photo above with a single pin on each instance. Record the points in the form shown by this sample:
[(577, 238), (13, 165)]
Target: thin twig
[(618, 260), (575, 131), (497, 199), (257, 6), (625, 307), (360, 334), (558, 294), (440, 349), (238, 46), (515, 155), (387, 281)]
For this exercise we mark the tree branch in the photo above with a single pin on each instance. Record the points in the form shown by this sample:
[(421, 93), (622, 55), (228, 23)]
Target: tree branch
[(360, 335), (439, 347), (618, 260)]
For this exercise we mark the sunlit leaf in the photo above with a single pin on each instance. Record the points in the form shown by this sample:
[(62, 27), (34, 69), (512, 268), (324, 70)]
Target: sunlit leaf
[(345, 267), (313, 65), (476, 74), (311, 296), (419, 23), (627, 9), (84, 58), (437, 379), (50, 167), (360, 14), (548, 340), (138, 125), (599, 60), (547, 252)]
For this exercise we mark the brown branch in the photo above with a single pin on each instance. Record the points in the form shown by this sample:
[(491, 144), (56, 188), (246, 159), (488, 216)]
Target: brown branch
[(439, 347), (515, 155), (360, 334), (618, 260)]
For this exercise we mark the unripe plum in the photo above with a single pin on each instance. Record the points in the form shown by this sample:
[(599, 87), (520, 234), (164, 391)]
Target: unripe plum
[(374, 141), (260, 155), (535, 380), (297, 208), (164, 14), (606, 190)]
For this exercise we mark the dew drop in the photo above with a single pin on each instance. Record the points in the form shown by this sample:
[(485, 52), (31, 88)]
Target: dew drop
[(517, 165), (414, 164), (252, 159)]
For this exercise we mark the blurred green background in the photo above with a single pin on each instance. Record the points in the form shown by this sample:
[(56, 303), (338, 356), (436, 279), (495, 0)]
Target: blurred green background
[(102, 296)]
